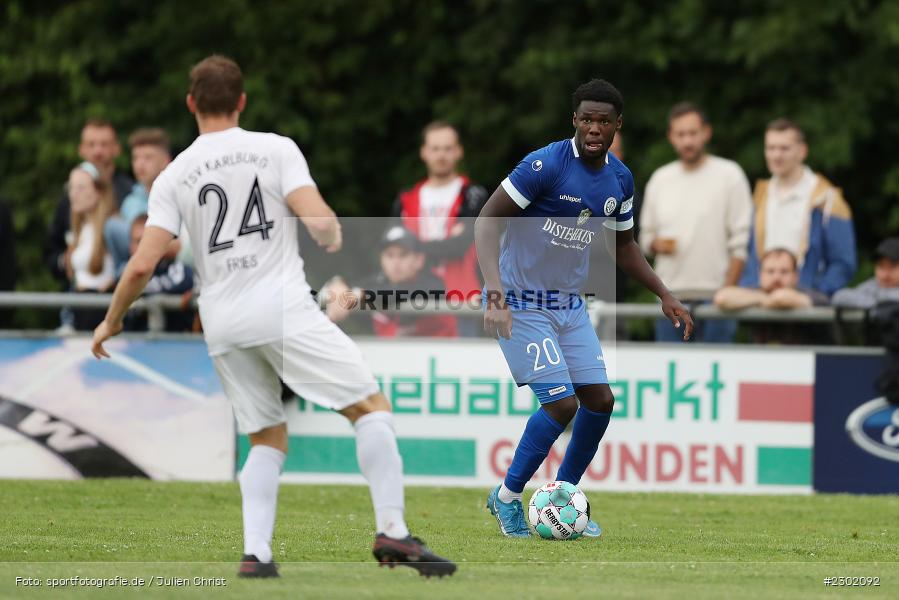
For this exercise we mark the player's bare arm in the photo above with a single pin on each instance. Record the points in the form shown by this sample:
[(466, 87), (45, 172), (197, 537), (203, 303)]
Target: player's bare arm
[(631, 260), (320, 220), (497, 317), (153, 246)]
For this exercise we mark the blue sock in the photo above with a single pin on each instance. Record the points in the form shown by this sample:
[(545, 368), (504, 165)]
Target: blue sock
[(586, 433), (538, 437)]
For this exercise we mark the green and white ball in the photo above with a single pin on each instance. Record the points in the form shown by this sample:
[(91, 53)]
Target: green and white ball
[(558, 511)]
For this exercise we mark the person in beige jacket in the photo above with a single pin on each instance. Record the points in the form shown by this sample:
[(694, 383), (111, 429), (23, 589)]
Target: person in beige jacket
[(695, 220)]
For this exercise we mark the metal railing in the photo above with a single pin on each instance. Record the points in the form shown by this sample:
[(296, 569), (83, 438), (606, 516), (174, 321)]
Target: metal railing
[(155, 306), (601, 313)]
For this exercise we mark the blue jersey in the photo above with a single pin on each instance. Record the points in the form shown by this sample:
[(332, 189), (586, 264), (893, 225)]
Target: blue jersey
[(564, 200)]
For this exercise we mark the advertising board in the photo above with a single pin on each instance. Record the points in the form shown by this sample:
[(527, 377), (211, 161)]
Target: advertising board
[(856, 430), (687, 418), (154, 410)]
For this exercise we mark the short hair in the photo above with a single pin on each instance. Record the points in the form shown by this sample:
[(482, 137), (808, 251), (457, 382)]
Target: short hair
[(598, 90), (99, 123), (216, 84), (781, 252), (686, 108), (783, 124), (435, 125), (150, 136)]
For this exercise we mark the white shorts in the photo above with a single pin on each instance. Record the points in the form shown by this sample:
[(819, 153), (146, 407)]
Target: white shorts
[(321, 364)]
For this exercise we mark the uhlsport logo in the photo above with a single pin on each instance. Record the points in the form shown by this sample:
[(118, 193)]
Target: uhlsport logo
[(609, 206), (874, 427), (537, 165)]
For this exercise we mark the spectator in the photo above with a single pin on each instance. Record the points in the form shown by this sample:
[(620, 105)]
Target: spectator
[(883, 287), (402, 270), (440, 210), (8, 264), (778, 281), (695, 221), (100, 148), (801, 211), (150, 153), (779, 289), (170, 277), (87, 262)]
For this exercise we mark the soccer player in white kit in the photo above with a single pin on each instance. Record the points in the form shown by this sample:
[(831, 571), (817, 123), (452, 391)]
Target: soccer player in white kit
[(236, 192)]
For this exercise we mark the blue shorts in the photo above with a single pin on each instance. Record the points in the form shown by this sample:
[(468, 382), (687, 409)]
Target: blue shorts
[(554, 352)]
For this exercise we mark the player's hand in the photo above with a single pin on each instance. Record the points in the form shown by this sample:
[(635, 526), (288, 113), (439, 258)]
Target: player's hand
[(334, 246), (329, 238), (497, 317), (336, 243), (677, 312), (103, 332)]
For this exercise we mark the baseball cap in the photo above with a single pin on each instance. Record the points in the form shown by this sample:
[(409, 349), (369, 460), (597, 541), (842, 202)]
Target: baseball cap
[(888, 248), (401, 237)]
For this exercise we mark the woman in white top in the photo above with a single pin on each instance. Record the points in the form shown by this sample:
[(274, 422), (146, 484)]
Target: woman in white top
[(88, 263)]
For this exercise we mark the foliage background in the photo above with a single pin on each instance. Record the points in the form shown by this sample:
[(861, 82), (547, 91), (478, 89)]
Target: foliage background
[(353, 81)]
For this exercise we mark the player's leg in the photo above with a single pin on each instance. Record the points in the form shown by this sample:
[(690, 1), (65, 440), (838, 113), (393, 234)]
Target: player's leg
[(380, 461), (259, 481), (325, 367), (534, 358), (253, 388), (381, 464), (590, 424), (587, 368), (586, 364), (541, 431)]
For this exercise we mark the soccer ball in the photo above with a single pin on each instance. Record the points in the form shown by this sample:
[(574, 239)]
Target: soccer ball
[(559, 511)]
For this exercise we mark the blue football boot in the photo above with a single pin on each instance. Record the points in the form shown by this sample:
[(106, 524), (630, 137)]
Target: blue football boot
[(593, 529), (509, 515)]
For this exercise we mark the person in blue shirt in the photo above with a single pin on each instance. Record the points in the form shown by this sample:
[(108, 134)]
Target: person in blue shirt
[(564, 196)]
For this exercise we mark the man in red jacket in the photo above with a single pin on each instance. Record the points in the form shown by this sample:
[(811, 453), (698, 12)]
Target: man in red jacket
[(440, 210)]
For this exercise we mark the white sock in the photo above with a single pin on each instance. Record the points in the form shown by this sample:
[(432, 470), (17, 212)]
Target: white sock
[(259, 490), (506, 495), (381, 464)]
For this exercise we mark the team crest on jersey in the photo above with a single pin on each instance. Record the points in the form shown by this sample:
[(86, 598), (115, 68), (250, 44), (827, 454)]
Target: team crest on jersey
[(609, 206), (582, 218), (537, 165), (627, 205)]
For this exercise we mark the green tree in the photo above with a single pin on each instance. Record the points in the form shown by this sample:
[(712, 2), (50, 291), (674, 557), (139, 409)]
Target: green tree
[(353, 82)]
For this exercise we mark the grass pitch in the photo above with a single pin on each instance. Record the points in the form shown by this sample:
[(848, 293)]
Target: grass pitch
[(653, 546)]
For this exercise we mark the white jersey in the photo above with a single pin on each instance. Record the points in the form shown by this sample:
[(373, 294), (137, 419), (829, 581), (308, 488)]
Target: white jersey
[(228, 189)]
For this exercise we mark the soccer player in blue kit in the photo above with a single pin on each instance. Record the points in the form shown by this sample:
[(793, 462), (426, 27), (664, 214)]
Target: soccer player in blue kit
[(567, 191)]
